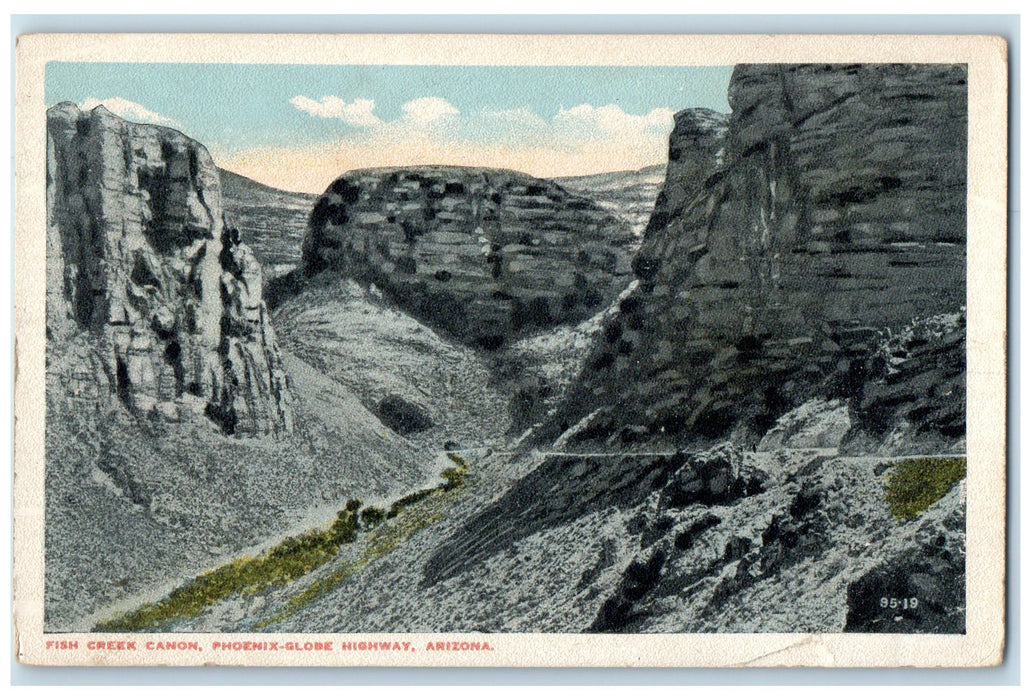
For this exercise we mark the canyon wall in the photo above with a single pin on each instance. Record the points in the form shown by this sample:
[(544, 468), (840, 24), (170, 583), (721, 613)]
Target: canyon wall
[(788, 258), (142, 263)]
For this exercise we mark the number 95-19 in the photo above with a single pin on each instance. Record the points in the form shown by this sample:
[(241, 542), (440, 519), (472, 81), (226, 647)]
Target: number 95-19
[(903, 603)]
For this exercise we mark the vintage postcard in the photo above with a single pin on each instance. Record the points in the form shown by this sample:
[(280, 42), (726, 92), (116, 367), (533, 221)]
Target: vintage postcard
[(465, 350)]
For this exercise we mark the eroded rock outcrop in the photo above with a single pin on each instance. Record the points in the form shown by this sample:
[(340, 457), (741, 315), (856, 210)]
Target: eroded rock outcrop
[(835, 214), (484, 255), (141, 261), (815, 549), (913, 394), (714, 476), (696, 151)]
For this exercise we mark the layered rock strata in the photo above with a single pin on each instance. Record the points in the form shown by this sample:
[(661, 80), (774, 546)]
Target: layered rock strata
[(484, 255), (271, 222), (141, 261), (833, 216), (628, 194)]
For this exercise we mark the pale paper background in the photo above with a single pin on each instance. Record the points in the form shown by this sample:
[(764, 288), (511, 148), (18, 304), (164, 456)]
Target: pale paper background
[(986, 58)]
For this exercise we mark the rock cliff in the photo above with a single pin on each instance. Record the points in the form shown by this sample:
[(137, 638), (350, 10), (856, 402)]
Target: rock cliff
[(787, 251), (695, 153), (141, 259), (484, 255)]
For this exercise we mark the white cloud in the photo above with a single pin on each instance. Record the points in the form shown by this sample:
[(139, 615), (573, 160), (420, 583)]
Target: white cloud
[(129, 110), (357, 113), (569, 129), (418, 114), (591, 122), (427, 110), (580, 140)]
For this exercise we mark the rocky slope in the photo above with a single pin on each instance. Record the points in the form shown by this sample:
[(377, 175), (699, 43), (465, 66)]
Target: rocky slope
[(432, 391), (482, 255), (140, 257), (135, 505), (793, 540), (832, 219)]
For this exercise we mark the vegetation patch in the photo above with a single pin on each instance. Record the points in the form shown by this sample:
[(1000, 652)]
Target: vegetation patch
[(407, 501), (296, 556), (422, 512), (288, 560), (455, 476), (917, 484), (372, 516)]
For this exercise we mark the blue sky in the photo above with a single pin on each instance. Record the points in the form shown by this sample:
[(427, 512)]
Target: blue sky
[(298, 126)]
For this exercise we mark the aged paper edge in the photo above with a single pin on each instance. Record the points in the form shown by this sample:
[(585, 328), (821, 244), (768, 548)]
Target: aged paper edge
[(986, 58)]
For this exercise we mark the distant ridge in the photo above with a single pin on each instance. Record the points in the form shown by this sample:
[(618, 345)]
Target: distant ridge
[(615, 177), (270, 221), (232, 180), (627, 194)]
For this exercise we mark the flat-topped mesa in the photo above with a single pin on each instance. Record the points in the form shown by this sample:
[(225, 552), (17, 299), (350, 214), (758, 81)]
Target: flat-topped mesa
[(142, 263), (484, 255), (836, 210)]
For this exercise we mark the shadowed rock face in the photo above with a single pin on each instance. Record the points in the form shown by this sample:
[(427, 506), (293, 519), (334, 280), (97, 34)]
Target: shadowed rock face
[(484, 255), (695, 153), (560, 490), (834, 214), (140, 257), (931, 574)]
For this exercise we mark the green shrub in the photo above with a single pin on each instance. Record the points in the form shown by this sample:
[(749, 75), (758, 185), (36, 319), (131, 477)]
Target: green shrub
[(297, 555), (345, 528), (455, 476), (917, 484), (372, 516), (411, 499), (457, 459)]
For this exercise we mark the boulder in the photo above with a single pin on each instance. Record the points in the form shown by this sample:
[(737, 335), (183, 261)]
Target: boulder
[(816, 424), (714, 476), (402, 416)]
